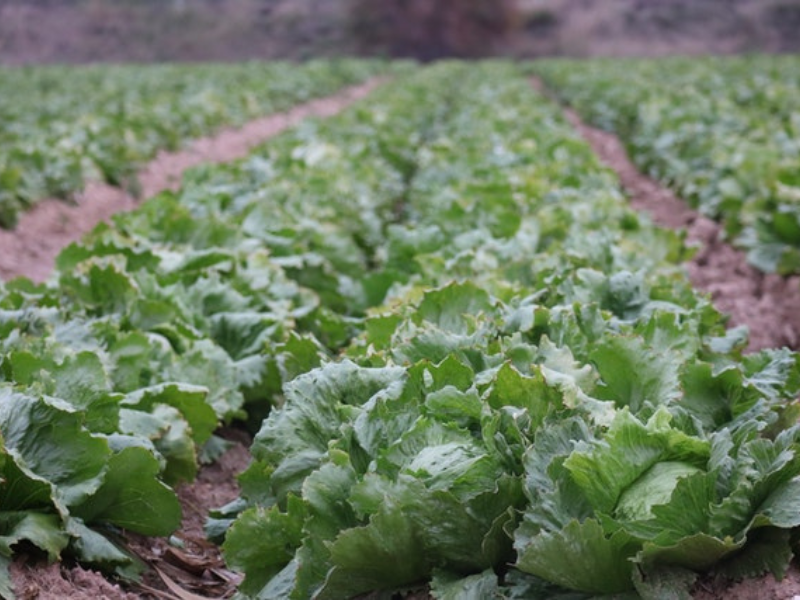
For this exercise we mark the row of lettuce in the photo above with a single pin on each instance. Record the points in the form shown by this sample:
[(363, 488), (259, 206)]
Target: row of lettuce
[(723, 132), (61, 126), (469, 365)]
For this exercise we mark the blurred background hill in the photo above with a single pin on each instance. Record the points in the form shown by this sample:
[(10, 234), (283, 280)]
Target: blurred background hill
[(76, 31)]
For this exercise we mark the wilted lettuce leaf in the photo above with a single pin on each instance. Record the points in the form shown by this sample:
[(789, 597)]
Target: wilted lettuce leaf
[(42, 530)]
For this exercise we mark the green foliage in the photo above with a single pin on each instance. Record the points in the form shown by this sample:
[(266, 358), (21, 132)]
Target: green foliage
[(723, 132), (61, 126), (468, 363)]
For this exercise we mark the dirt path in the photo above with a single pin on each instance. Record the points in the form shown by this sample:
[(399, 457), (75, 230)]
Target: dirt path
[(30, 249), (768, 304)]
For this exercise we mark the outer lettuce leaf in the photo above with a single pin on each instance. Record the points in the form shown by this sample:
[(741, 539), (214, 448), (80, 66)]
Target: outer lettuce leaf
[(169, 434), (101, 286), (673, 514), (295, 438), (531, 393), (94, 548), (635, 375), (48, 443), (209, 365), (768, 550), (384, 555), (453, 308), (762, 472), (697, 551), (434, 527), (42, 530), (262, 542), (580, 557), (446, 586), (19, 492), (79, 379), (190, 400), (325, 492), (554, 498), (132, 497), (628, 450)]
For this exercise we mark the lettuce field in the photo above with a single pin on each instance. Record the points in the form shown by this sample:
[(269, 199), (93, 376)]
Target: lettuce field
[(725, 133), (54, 135), (468, 367)]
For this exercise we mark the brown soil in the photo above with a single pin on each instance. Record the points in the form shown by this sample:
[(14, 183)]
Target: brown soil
[(761, 588), (40, 581), (768, 304), (30, 249), (195, 564)]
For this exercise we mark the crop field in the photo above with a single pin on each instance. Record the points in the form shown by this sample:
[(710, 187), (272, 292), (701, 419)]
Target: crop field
[(466, 367), (725, 133), (60, 126)]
